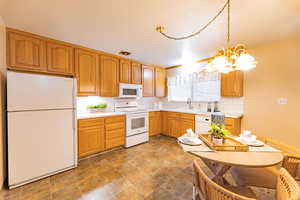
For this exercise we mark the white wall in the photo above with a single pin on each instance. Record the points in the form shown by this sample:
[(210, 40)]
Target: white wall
[(2, 102)]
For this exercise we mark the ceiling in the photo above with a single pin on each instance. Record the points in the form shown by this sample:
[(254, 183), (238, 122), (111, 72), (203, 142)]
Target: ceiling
[(114, 25)]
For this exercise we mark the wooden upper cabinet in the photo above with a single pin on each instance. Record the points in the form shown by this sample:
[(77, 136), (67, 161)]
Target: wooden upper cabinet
[(160, 82), (125, 71), (136, 73), (232, 84), (26, 52), (87, 72), (60, 58), (109, 76), (148, 81)]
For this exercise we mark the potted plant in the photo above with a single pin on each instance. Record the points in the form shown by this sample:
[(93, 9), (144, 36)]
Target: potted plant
[(100, 107), (218, 133)]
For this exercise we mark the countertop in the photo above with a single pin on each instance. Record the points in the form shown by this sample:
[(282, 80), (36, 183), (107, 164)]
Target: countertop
[(182, 110)]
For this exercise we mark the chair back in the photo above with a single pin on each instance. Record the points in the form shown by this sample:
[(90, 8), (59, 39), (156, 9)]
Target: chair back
[(287, 187), (209, 190), (292, 165)]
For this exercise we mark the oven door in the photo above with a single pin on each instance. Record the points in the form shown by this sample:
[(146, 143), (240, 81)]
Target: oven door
[(136, 123)]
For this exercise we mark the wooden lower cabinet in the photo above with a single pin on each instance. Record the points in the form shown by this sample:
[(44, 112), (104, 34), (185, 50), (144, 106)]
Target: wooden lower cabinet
[(155, 123), (91, 136), (175, 124), (233, 125), (100, 134), (114, 131)]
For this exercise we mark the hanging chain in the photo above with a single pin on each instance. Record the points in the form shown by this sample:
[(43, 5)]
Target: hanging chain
[(161, 28), (228, 22)]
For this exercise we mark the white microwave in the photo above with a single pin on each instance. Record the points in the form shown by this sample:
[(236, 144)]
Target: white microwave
[(130, 90)]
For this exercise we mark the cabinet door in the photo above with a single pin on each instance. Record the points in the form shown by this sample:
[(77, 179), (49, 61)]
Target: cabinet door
[(125, 71), (87, 72), (186, 124), (232, 84), (233, 125), (160, 82), (151, 126), (158, 123), (60, 58), (91, 137), (109, 76), (174, 127), (26, 52), (164, 116), (148, 81), (136, 73)]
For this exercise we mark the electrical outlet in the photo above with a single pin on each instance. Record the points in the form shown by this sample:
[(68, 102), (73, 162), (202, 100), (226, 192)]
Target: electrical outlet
[(282, 101)]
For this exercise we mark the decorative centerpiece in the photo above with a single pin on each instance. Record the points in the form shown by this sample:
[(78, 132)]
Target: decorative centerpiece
[(100, 107), (218, 133)]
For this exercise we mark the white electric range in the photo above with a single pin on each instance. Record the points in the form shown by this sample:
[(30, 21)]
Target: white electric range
[(136, 122)]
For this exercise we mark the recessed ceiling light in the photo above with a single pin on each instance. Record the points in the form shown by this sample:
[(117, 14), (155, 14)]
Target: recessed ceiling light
[(125, 53)]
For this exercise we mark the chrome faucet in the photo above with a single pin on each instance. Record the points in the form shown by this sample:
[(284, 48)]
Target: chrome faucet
[(189, 102)]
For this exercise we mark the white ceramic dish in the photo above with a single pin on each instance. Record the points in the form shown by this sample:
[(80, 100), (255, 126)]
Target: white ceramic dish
[(256, 143), (190, 140)]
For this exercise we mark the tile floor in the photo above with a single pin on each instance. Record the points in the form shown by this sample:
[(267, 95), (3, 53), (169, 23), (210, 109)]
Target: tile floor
[(155, 170)]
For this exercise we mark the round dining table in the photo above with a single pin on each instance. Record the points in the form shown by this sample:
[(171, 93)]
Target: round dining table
[(221, 161)]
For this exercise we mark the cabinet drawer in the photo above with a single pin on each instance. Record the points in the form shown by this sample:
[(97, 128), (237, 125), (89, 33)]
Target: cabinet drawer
[(154, 114), (118, 133), (114, 126), (229, 121), (88, 123), (116, 142), (187, 116), (173, 114), (115, 119)]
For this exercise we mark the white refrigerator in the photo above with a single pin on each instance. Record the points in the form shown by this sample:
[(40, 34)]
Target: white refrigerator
[(42, 136)]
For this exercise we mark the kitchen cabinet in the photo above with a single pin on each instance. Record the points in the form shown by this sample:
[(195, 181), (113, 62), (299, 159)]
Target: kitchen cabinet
[(87, 72), (109, 76), (233, 125), (160, 82), (136, 73), (91, 138), (164, 116), (232, 84), (148, 81), (99, 134), (25, 52), (60, 58), (187, 122), (125, 71), (175, 124), (155, 123), (114, 131)]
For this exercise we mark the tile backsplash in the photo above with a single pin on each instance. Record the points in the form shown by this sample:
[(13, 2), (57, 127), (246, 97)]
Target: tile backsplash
[(230, 105), (83, 102)]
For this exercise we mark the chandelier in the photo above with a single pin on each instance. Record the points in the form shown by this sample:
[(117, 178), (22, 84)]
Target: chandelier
[(227, 59)]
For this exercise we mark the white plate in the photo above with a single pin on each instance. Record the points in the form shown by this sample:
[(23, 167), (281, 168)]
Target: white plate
[(256, 143), (188, 141)]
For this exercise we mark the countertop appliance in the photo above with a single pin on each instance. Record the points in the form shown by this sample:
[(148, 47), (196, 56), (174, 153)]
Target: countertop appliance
[(130, 90), (202, 122), (42, 136), (136, 122)]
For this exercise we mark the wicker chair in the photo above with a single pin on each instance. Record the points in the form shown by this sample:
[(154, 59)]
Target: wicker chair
[(292, 164), (206, 189)]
